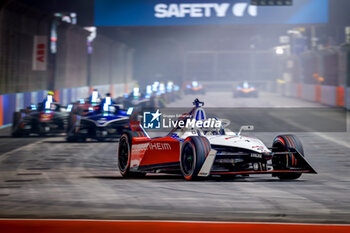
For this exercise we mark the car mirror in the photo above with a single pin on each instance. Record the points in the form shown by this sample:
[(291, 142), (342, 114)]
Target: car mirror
[(245, 128)]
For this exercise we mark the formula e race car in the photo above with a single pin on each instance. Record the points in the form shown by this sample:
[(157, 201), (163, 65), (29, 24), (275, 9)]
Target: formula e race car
[(193, 88), (102, 121), (197, 152), (39, 119), (141, 101), (245, 90), (140, 104)]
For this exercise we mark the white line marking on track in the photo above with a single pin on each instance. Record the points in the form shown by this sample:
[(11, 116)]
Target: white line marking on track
[(5, 155), (336, 141)]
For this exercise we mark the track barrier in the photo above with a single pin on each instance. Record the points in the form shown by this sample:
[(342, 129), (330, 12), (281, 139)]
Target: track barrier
[(1, 112), (336, 96), (340, 96), (10, 103)]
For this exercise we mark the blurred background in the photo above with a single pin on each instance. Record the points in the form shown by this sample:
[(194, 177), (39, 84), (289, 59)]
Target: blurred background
[(300, 50)]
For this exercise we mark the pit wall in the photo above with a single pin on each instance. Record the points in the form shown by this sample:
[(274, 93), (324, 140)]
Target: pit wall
[(14, 102), (336, 96)]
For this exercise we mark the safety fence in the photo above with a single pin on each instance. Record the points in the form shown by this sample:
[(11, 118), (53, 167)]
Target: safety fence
[(337, 96), (14, 102)]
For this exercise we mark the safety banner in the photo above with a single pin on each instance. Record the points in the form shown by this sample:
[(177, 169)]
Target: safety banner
[(206, 12), (40, 50)]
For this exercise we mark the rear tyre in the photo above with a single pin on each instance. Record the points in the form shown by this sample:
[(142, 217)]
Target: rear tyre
[(16, 131), (71, 139), (124, 157), (71, 135), (288, 143), (42, 131), (193, 154)]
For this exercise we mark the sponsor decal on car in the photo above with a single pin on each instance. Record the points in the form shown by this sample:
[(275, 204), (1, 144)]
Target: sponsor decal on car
[(159, 146), (139, 147), (259, 156), (258, 147), (151, 146)]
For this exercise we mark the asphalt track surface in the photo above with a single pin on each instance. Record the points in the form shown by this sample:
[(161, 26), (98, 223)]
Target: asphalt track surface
[(50, 178)]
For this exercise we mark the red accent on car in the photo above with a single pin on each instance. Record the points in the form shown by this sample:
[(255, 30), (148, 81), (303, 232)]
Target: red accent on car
[(46, 116)]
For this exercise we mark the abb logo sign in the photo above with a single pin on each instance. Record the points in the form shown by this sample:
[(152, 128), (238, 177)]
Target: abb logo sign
[(40, 53)]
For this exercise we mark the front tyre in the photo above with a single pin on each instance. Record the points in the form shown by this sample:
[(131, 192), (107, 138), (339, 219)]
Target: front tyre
[(193, 154), (287, 143)]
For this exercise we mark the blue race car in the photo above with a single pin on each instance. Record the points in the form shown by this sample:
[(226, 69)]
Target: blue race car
[(103, 121)]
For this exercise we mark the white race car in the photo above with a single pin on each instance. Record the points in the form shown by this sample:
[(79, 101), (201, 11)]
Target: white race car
[(196, 151)]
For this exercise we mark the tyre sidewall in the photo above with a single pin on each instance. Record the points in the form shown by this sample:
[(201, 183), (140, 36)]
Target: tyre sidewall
[(290, 143), (201, 148), (127, 138)]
